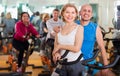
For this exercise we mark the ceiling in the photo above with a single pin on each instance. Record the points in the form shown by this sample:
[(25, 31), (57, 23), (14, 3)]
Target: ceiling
[(38, 5), (40, 2), (33, 2)]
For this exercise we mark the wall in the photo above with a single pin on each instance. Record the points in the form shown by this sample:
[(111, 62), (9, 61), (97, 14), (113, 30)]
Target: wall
[(105, 7), (39, 4), (105, 10)]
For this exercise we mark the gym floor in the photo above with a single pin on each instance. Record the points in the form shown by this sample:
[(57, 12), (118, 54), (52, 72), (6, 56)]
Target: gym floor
[(33, 60)]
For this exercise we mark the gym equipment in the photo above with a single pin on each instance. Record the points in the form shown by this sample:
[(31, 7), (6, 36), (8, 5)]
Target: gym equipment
[(96, 65), (13, 61), (27, 54)]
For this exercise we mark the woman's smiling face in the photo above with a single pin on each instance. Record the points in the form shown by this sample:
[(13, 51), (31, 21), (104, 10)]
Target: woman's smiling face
[(69, 14), (25, 17)]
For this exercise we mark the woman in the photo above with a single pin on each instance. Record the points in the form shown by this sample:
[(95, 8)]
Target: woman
[(23, 29), (9, 24), (43, 30), (43, 26), (69, 38)]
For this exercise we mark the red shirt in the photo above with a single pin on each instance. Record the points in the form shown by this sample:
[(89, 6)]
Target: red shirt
[(22, 30)]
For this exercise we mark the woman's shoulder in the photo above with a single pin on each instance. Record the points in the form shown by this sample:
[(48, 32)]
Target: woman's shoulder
[(19, 22), (79, 26)]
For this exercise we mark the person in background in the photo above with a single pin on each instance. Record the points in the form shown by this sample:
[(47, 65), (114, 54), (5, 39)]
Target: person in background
[(43, 30), (9, 24), (2, 17), (117, 26), (32, 16), (92, 33), (23, 30), (53, 26), (36, 20), (43, 27), (69, 39), (1, 29), (8, 28)]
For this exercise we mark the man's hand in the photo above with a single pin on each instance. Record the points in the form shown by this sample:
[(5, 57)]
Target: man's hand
[(107, 72), (56, 29)]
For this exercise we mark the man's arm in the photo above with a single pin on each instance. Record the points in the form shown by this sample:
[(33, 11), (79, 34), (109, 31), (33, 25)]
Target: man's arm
[(50, 28), (100, 42)]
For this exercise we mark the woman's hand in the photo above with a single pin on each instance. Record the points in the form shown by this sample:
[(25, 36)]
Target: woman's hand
[(38, 36), (56, 57)]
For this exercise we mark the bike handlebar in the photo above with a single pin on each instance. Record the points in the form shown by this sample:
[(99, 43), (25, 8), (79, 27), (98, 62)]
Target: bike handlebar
[(63, 61), (6, 37), (96, 52), (108, 39), (85, 62), (104, 66)]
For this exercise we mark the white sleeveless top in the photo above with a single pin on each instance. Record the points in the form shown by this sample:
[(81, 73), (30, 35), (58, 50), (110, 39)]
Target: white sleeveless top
[(69, 39)]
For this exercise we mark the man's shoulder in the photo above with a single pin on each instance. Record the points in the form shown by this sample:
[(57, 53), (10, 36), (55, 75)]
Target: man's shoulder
[(50, 20), (93, 23)]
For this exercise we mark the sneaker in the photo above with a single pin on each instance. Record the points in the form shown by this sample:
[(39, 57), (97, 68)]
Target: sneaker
[(19, 70)]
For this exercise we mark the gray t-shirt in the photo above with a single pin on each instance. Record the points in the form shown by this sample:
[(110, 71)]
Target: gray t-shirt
[(51, 24)]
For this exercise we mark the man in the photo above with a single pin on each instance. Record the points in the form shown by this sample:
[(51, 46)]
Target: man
[(36, 20), (92, 33), (118, 18), (54, 24)]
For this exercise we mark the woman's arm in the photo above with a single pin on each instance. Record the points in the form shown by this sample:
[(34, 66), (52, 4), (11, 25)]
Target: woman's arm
[(55, 50), (56, 54)]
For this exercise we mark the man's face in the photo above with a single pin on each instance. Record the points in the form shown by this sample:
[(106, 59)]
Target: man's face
[(55, 14), (86, 13)]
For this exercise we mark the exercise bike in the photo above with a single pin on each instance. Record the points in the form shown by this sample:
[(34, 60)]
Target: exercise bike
[(96, 65), (24, 62)]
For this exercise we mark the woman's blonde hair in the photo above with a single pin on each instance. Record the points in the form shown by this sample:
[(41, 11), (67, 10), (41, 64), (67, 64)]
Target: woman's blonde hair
[(45, 15), (64, 8)]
